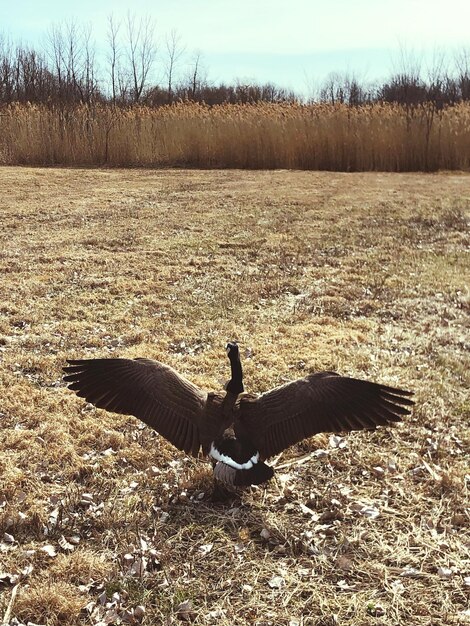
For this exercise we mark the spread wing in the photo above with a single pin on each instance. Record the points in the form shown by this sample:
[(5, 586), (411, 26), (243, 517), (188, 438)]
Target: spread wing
[(149, 390), (321, 402)]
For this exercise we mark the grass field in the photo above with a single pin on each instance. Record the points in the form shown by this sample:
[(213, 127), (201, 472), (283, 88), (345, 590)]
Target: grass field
[(102, 522)]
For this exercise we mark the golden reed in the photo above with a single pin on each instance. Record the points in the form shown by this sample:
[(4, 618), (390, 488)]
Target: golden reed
[(384, 137)]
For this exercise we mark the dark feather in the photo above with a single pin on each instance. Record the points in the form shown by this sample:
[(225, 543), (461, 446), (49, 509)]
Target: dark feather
[(321, 402), (149, 390)]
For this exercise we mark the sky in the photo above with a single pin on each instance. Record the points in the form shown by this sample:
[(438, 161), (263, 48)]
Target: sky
[(293, 43)]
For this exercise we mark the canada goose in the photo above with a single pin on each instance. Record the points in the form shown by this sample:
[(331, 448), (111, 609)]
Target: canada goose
[(237, 431)]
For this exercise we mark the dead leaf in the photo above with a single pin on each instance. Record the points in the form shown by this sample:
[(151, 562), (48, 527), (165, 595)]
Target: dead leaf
[(49, 550), (444, 572), (139, 612), (277, 582), (65, 545), (335, 441), (206, 548), (8, 579), (21, 497), (185, 611), (344, 563), (345, 586), (365, 509), (410, 571)]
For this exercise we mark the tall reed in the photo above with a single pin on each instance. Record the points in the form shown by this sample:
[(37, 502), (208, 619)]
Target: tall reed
[(383, 137)]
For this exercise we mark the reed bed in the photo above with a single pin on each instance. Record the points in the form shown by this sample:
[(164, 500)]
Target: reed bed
[(378, 137)]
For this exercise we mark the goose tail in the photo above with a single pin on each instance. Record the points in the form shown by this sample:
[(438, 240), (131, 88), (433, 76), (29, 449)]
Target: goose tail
[(231, 477)]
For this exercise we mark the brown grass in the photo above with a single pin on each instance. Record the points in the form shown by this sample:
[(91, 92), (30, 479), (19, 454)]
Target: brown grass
[(317, 137), (361, 273)]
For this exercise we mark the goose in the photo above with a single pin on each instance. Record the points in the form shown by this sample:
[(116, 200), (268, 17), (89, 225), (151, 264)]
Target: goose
[(236, 430)]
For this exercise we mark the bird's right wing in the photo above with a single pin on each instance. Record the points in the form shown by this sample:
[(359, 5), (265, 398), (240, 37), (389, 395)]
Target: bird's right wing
[(320, 402), (149, 390)]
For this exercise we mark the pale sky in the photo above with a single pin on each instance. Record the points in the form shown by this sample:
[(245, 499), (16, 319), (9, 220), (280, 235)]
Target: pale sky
[(290, 43)]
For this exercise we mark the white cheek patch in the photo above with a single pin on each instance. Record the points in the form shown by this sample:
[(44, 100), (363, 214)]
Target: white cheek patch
[(215, 454)]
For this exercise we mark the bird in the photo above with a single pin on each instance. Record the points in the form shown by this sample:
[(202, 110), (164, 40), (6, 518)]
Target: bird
[(238, 431)]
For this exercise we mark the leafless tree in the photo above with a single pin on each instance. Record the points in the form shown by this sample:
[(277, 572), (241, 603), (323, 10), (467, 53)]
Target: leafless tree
[(141, 52), (175, 51), (114, 54), (197, 75), (462, 62), (7, 74), (72, 54), (55, 49), (88, 78)]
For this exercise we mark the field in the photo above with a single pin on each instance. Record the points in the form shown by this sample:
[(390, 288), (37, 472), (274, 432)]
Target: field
[(103, 522)]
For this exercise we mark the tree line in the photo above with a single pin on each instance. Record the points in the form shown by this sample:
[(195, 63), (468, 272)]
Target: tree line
[(66, 70)]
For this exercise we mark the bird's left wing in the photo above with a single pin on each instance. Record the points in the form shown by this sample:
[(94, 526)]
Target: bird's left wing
[(320, 402)]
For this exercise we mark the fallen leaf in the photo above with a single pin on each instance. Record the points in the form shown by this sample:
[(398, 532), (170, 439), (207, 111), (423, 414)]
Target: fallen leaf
[(277, 582), (410, 571), (376, 610), (49, 550), (127, 616), (335, 441), (217, 613), (206, 548), (21, 497), (8, 579), (111, 616), (185, 611), (65, 545), (139, 612), (444, 572), (344, 563), (365, 509), (345, 586)]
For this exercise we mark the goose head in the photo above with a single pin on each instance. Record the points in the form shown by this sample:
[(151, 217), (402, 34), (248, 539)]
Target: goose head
[(235, 384)]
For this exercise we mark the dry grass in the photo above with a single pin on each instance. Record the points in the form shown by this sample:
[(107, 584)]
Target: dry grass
[(317, 137), (362, 273)]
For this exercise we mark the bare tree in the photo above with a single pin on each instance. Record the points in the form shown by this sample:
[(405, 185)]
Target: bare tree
[(113, 55), (88, 78), (141, 52), (175, 52), (462, 61), (55, 49), (7, 73), (72, 54), (197, 75)]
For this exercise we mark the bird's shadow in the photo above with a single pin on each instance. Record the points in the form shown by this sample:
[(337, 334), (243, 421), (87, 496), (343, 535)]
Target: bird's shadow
[(236, 514)]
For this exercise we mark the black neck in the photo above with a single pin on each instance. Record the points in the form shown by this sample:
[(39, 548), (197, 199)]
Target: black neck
[(235, 384)]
